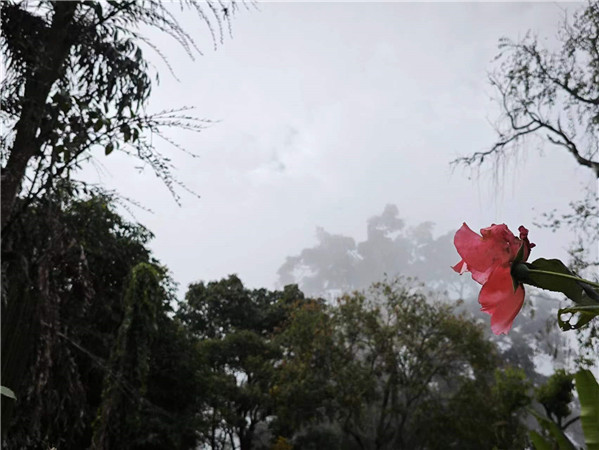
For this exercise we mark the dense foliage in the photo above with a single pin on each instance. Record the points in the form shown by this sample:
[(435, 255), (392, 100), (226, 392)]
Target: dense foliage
[(62, 305), (234, 366), (76, 84), (385, 367)]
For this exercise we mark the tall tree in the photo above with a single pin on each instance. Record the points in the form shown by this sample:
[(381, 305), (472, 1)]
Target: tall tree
[(236, 328), (77, 81), (125, 384)]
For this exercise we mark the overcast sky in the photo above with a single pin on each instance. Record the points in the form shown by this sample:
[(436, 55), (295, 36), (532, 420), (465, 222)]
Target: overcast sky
[(327, 112)]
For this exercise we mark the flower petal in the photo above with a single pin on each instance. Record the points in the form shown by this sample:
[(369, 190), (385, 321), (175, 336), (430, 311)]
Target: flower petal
[(460, 267), (481, 254), (497, 298), (506, 244)]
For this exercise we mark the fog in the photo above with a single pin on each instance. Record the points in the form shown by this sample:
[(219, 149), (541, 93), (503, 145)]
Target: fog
[(323, 114)]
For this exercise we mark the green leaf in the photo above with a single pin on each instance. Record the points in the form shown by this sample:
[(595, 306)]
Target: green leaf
[(109, 149), (7, 392), (98, 125), (588, 394), (593, 294), (570, 288), (563, 442), (586, 314), (126, 130), (539, 442)]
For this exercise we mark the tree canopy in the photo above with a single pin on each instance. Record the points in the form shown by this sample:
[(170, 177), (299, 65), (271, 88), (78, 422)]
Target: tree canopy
[(385, 367)]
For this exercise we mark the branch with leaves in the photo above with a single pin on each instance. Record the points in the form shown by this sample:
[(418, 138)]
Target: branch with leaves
[(552, 95)]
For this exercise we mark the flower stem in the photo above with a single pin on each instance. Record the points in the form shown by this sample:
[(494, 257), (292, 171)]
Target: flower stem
[(564, 275)]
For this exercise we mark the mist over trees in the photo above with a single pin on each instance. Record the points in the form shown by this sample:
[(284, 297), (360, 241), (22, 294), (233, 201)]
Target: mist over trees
[(339, 264), (365, 344)]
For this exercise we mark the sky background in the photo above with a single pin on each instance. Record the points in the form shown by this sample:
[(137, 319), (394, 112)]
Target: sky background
[(325, 113)]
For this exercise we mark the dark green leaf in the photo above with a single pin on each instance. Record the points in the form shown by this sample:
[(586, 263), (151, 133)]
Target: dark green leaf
[(539, 442), (570, 288), (591, 292), (109, 149), (519, 255), (563, 442), (586, 314), (588, 393), (126, 130)]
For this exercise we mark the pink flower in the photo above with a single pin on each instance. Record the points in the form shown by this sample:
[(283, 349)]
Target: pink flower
[(489, 259)]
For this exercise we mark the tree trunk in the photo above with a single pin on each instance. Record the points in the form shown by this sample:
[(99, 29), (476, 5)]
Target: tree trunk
[(48, 69)]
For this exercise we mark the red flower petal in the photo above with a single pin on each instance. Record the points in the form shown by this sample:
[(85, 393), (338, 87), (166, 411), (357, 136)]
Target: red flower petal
[(460, 267), (482, 254), (527, 244), (497, 298), (506, 244)]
